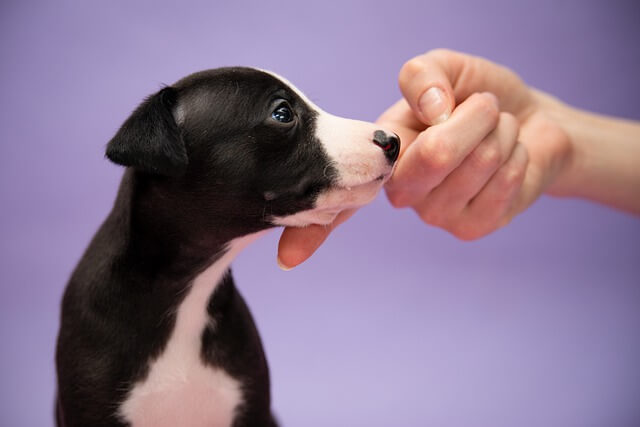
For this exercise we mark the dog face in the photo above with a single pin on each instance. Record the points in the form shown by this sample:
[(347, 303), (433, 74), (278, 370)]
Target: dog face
[(243, 145)]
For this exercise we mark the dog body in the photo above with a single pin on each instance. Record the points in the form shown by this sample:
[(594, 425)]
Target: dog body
[(153, 330)]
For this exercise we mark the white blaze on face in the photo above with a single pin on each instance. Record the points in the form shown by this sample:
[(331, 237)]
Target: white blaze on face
[(361, 165)]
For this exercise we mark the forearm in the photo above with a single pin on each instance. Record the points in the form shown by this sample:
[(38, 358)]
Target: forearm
[(604, 164)]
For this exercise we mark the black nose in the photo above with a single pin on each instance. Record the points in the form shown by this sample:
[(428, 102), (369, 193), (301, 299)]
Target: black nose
[(390, 144)]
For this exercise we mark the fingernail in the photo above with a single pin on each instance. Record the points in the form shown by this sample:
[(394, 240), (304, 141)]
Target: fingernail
[(282, 266), (433, 106)]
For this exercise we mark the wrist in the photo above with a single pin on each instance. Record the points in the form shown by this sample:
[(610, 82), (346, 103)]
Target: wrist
[(568, 157), (601, 162), (552, 149)]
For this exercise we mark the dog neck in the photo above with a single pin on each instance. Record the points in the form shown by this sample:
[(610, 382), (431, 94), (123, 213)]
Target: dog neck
[(158, 234)]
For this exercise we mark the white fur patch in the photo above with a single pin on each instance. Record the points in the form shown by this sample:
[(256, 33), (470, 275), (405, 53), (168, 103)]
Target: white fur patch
[(349, 143), (179, 390), (361, 165), (330, 203), (350, 146)]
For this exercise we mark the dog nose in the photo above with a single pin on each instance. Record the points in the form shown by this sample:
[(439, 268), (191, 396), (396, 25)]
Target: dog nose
[(390, 144)]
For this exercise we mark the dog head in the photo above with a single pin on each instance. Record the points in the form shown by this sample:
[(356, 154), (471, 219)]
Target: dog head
[(244, 146)]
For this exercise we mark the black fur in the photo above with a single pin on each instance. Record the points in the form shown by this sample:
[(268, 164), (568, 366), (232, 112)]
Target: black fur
[(150, 140), (202, 154)]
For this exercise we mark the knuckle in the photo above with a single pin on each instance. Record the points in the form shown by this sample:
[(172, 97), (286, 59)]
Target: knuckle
[(547, 128), (488, 157), (410, 69), (491, 110), (440, 159), (512, 176), (487, 106), (436, 152)]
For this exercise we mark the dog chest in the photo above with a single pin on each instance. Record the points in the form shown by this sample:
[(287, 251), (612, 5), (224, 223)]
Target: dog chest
[(180, 389), (189, 396)]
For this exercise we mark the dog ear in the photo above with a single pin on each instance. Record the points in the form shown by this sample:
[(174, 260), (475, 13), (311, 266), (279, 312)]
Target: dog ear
[(149, 140)]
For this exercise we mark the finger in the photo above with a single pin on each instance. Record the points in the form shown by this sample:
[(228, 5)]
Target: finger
[(458, 76), (488, 210), (440, 149), (446, 202), (297, 244), (428, 90), (400, 114)]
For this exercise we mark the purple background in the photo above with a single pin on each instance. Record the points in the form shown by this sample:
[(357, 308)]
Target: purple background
[(392, 323)]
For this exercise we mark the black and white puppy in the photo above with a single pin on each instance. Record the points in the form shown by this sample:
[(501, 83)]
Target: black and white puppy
[(153, 331)]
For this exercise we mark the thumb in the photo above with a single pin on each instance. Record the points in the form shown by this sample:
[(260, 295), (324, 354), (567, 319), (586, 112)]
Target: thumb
[(433, 82), (296, 245), (426, 86)]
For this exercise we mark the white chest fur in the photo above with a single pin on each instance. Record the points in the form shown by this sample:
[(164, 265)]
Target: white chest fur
[(179, 389)]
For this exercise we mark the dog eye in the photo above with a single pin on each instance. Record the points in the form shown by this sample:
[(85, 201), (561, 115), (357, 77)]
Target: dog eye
[(283, 113)]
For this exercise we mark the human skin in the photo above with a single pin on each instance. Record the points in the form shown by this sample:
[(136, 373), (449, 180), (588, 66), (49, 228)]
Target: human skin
[(483, 146)]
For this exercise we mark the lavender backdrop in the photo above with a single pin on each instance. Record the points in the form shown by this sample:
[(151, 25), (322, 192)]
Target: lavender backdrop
[(392, 323)]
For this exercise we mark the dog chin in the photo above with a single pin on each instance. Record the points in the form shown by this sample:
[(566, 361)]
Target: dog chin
[(330, 203)]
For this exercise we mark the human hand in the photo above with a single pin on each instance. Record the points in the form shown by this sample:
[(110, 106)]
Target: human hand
[(297, 244), (479, 146), (473, 155)]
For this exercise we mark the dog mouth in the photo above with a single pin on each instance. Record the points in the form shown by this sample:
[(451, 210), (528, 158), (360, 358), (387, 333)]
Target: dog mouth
[(379, 180), (337, 198)]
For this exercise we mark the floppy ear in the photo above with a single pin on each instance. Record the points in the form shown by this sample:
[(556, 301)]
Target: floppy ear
[(149, 140)]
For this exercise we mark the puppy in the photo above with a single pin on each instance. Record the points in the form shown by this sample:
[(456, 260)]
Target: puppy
[(153, 330)]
